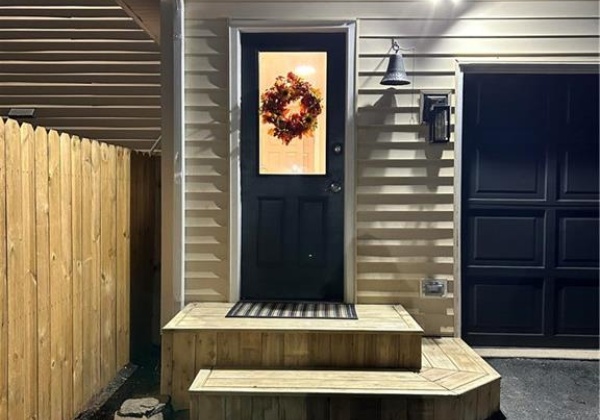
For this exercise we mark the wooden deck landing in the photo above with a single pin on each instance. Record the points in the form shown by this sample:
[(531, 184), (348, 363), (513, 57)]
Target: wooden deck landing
[(371, 318), (454, 383)]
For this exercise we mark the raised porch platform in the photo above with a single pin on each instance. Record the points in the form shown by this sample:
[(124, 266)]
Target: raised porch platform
[(200, 337), (355, 355)]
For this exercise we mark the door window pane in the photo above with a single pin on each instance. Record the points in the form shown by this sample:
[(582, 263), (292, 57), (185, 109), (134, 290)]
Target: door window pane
[(292, 108)]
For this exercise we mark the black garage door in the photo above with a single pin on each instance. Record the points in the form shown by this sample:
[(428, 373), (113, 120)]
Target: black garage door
[(530, 210)]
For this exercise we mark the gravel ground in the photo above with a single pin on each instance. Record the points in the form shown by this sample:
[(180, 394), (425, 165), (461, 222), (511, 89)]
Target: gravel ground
[(532, 389)]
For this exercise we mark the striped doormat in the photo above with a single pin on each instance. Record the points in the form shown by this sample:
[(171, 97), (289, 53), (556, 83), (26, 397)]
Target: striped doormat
[(293, 310)]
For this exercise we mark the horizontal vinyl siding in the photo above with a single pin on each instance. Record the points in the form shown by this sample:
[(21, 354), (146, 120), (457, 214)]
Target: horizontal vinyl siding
[(418, 9), (207, 161), (85, 66), (405, 187)]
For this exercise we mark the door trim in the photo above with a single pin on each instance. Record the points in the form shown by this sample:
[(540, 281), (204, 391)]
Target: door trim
[(172, 194), (490, 67), (236, 29)]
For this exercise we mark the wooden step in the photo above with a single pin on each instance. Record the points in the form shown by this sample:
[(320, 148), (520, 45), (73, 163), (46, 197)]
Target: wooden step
[(456, 384), (200, 337)]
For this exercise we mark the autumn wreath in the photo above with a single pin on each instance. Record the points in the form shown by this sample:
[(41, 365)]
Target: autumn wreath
[(275, 110)]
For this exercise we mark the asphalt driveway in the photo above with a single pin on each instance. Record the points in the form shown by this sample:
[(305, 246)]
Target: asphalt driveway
[(534, 389)]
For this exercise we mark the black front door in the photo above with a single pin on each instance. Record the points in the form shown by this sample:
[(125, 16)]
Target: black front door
[(530, 210), (292, 166)]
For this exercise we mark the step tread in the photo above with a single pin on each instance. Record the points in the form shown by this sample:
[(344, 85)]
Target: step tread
[(454, 369), (371, 319)]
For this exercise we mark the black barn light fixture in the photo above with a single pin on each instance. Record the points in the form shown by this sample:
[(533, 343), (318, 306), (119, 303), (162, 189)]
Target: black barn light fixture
[(396, 73)]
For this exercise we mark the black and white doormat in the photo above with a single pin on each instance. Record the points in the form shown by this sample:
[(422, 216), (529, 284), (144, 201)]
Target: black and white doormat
[(293, 310)]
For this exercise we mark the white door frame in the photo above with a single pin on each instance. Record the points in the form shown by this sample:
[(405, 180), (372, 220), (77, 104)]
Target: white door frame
[(236, 29), (172, 297), (490, 67)]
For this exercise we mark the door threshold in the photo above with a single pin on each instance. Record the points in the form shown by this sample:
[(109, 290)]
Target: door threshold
[(537, 353)]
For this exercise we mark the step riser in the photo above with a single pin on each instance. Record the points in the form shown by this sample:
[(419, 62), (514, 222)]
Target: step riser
[(185, 353), (478, 404)]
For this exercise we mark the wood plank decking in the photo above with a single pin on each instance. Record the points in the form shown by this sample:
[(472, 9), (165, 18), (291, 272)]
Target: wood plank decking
[(371, 319), (455, 383)]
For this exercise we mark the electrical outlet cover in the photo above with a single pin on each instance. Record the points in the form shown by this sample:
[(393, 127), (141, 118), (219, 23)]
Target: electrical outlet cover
[(434, 288)]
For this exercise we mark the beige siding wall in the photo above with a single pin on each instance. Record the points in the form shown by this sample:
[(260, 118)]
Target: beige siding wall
[(405, 228), (85, 66)]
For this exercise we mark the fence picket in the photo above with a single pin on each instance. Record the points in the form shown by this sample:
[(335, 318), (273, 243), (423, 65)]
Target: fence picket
[(76, 229), (16, 288), (43, 272), (56, 296), (29, 375), (89, 329), (122, 268), (66, 280), (96, 279), (3, 284), (108, 259)]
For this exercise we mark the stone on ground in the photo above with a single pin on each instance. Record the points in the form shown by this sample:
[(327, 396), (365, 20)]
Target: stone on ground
[(142, 409)]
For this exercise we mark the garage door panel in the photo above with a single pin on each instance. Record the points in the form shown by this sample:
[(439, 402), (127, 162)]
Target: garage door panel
[(530, 231), (513, 238), (577, 307), (578, 172), (511, 99), (506, 305), (576, 108), (577, 239), (519, 172)]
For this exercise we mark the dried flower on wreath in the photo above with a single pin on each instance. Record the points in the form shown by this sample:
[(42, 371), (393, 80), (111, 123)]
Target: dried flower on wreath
[(274, 108)]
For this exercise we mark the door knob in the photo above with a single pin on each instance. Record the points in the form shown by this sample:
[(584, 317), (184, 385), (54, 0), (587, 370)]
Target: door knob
[(335, 187)]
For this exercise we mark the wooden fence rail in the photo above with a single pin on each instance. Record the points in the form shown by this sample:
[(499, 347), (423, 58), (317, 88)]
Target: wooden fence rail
[(64, 270)]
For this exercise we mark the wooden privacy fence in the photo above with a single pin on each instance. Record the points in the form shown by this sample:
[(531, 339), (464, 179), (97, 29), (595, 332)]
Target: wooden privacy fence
[(64, 270)]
